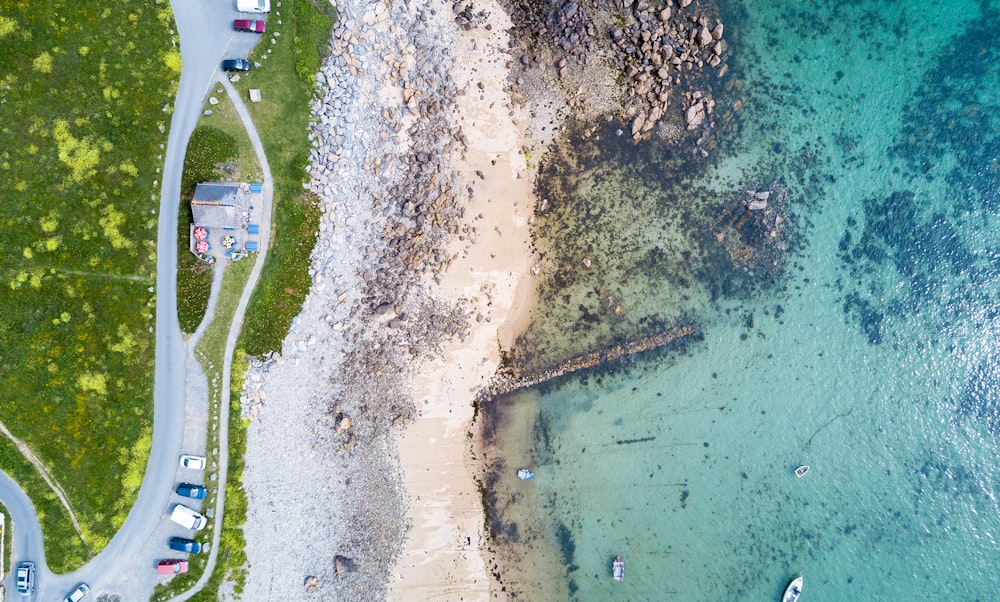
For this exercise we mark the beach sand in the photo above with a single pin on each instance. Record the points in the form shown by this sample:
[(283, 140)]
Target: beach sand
[(444, 557), (360, 446)]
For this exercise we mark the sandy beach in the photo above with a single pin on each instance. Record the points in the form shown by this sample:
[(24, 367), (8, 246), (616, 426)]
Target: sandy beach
[(359, 454), (443, 555)]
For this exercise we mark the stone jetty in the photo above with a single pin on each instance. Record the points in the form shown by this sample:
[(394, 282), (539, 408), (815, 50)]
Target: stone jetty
[(515, 380)]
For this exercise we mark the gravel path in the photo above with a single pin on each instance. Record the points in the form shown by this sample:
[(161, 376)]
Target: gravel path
[(327, 512)]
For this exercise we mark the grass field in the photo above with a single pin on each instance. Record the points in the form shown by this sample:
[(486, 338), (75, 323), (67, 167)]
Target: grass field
[(85, 96), (287, 82), (64, 550)]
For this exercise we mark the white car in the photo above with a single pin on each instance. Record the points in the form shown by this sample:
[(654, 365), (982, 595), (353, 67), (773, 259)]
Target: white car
[(188, 518), (192, 462), (253, 6), (78, 594)]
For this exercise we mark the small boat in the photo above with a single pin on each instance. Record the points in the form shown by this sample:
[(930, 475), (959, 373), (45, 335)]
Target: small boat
[(793, 591), (801, 471), (524, 474), (618, 569)]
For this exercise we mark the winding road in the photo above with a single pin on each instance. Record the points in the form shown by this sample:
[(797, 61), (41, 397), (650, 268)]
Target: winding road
[(126, 567)]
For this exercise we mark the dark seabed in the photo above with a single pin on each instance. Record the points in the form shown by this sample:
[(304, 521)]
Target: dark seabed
[(856, 333)]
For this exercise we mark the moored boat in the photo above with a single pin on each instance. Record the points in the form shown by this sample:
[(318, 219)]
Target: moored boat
[(618, 569), (801, 471), (793, 591)]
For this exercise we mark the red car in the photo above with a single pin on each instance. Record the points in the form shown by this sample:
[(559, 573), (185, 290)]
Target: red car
[(172, 567), (251, 25)]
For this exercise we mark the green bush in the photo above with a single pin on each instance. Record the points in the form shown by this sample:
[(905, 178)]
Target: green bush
[(313, 23), (208, 148)]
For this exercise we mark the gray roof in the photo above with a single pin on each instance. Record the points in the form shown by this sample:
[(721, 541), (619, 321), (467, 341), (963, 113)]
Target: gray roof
[(214, 205)]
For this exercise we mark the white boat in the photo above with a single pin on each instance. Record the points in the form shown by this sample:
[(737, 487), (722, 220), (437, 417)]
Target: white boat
[(793, 591), (618, 569), (801, 471), (524, 474)]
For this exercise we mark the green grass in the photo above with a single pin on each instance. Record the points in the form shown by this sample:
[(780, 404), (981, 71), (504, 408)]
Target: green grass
[(194, 277), (246, 167), (282, 119), (64, 550), (232, 560), (7, 542), (208, 149), (86, 93)]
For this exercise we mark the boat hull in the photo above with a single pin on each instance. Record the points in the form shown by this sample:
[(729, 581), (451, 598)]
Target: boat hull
[(793, 591)]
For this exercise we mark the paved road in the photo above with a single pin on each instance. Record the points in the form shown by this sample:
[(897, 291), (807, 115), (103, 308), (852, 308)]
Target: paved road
[(126, 567)]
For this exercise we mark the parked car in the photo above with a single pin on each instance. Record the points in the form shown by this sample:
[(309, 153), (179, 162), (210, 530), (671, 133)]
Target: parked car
[(192, 462), (236, 65), (192, 491), (188, 518), (253, 6), (26, 578), (77, 594), (172, 567), (183, 544), (251, 25)]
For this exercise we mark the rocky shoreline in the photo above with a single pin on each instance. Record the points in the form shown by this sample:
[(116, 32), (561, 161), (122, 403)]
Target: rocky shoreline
[(322, 469), (328, 511), (649, 64)]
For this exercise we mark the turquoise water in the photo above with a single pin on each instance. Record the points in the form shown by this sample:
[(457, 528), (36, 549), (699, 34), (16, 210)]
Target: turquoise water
[(870, 356)]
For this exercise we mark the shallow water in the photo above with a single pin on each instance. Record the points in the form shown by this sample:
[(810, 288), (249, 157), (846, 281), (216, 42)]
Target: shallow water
[(869, 354)]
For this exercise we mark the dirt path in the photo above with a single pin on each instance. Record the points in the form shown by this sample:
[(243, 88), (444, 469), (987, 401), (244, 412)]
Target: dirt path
[(53, 485)]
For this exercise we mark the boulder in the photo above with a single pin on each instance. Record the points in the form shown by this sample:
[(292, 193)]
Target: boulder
[(695, 115), (311, 583), (717, 32), (344, 565), (704, 37), (640, 120)]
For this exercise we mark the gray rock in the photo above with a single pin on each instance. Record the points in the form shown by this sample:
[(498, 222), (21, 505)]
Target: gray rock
[(695, 115), (704, 37)]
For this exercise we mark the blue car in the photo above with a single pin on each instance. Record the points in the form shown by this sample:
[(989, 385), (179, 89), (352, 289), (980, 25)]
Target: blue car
[(192, 491), (236, 65), (181, 544)]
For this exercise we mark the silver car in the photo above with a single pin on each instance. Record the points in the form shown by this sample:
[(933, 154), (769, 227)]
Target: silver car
[(26, 578)]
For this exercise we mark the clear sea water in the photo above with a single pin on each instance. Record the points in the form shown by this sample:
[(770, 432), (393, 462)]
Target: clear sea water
[(871, 354)]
